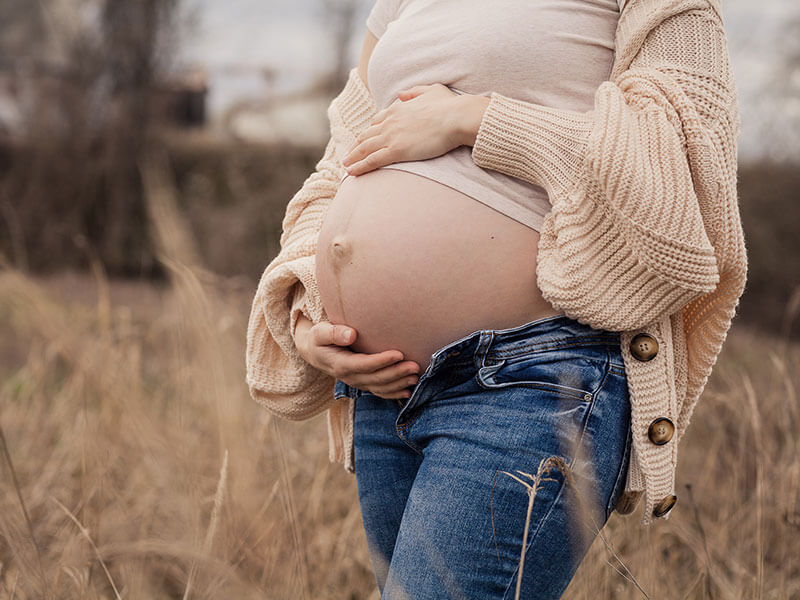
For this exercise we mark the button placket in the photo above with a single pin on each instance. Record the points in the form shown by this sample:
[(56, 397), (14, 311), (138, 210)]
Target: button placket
[(647, 353)]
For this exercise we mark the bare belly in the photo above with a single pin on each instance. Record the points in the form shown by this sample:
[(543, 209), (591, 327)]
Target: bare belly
[(412, 265)]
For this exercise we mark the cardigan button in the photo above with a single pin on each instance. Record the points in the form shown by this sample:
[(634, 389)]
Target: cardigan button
[(627, 501), (644, 347), (661, 431), (663, 507)]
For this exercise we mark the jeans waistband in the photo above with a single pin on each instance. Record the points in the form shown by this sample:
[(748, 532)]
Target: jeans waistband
[(487, 345), (548, 333)]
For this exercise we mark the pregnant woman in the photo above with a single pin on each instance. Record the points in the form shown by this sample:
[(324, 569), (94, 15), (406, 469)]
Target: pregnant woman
[(508, 279)]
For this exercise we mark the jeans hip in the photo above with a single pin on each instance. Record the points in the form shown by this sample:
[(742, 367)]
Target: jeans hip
[(452, 461)]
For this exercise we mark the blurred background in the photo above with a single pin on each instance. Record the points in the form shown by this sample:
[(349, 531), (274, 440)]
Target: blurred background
[(148, 150), (235, 94)]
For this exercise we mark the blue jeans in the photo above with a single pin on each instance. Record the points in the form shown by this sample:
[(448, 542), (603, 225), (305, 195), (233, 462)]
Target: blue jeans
[(443, 516)]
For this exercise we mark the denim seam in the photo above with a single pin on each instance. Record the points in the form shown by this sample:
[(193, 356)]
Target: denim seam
[(408, 424), (620, 473), (406, 441), (402, 429), (612, 368)]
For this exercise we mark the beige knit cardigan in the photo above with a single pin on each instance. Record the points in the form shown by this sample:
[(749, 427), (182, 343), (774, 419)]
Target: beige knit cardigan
[(644, 235)]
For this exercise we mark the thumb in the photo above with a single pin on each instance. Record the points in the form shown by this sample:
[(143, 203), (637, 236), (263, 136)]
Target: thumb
[(341, 335)]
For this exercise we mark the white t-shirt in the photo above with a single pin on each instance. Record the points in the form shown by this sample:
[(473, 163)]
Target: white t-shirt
[(550, 52)]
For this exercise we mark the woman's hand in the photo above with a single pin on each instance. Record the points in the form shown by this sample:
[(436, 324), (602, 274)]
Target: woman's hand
[(384, 374), (429, 121)]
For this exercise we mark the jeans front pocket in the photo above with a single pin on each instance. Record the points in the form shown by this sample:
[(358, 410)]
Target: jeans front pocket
[(575, 372)]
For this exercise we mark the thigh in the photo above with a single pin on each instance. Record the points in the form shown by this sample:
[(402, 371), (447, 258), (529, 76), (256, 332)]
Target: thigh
[(463, 526), (385, 468)]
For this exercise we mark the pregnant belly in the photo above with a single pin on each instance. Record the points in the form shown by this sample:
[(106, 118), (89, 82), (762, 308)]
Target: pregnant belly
[(412, 265)]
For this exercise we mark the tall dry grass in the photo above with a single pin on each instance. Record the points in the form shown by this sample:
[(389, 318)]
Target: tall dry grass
[(135, 465)]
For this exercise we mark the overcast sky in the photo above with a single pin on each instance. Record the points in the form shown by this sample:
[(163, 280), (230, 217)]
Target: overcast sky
[(236, 38)]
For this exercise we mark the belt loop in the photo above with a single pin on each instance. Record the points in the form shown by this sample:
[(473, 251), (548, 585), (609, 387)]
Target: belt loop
[(484, 343), (353, 392)]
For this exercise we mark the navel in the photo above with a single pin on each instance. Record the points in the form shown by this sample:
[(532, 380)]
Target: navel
[(341, 250)]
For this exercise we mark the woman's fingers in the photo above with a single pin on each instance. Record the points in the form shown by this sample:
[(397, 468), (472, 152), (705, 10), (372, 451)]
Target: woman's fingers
[(412, 92), (371, 131), (351, 364), (356, 150), (374, 129), (326, 333), (388, 381), (365, 147), (379, 158), (384, 374), (380, 115), (392, 392), (405, 370)]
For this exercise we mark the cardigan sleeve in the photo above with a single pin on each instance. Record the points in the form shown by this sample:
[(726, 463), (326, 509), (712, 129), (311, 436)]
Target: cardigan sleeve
[(277, 376), (632, 182)]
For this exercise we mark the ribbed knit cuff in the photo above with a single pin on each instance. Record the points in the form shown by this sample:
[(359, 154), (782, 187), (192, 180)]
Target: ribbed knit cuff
[(354, 105), (539, 144)]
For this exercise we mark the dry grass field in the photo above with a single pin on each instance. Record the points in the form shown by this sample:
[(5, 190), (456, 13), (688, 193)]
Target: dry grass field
[(142, 461), (135, 465)]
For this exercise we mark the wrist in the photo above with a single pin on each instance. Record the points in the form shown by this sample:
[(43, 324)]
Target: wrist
[(470, 111)]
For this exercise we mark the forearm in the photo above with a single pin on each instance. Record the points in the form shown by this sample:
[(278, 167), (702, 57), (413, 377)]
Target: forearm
[(642, 130), (277, 374), (631, 181)]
